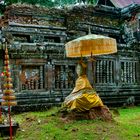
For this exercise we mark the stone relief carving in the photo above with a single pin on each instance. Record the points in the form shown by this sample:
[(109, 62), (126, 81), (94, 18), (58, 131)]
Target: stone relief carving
[(128, 34)]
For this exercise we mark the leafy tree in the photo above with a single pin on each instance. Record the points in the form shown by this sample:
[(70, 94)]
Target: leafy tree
[(2, 6), (9, 2), (94, 2)]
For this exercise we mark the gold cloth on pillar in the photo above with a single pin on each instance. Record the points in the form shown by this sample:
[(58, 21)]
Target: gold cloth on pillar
[(83, 97)]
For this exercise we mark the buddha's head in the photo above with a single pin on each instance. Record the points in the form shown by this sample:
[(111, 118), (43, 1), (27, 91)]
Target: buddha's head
[(81, 69)]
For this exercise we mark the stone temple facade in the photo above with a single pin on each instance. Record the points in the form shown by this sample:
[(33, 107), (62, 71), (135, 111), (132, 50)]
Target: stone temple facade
[(42, 74)]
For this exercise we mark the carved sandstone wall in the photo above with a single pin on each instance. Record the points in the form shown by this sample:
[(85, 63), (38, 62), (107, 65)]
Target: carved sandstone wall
[(36, 39)]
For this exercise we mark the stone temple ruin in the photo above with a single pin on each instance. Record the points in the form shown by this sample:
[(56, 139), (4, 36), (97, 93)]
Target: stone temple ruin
[(43, 76)]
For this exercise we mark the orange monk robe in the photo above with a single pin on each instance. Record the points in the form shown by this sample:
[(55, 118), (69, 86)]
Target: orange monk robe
[(83, 96)]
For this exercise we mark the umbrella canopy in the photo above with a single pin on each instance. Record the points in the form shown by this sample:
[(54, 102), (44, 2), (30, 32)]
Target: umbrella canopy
[(91, 44)]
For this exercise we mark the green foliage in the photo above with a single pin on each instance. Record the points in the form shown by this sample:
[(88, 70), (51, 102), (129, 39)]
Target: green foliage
[(94, 2), (8, 2), (2, 8), (64, 2), (33, 2), (47, 3)]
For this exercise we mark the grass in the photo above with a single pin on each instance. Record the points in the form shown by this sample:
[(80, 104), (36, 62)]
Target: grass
[(46, 126)]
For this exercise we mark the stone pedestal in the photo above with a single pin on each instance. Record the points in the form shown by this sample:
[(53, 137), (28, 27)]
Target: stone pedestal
[(5, 129), (99, 113)]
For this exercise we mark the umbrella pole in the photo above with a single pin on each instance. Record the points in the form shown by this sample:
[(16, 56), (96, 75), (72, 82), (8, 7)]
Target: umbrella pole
[(10, 123), (81, 58), (92, 65)]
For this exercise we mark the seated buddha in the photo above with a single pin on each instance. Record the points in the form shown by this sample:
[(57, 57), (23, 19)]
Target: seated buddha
[(83, 97)]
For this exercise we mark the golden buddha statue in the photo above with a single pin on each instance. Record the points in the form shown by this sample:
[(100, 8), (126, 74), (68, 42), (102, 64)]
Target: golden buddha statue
[(83, 97)]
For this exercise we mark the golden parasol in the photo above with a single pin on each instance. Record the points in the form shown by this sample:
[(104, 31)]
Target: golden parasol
[(87, 46), (91, 44)]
